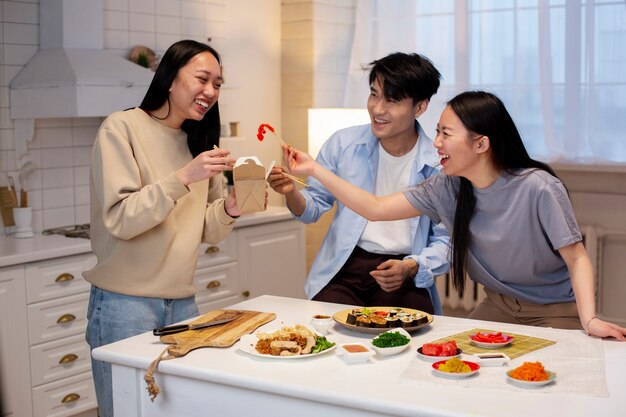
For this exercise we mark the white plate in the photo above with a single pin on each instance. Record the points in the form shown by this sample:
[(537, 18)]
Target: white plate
[(532, 384), (429, 358), (248, 342), (456, 375), (394, 350)]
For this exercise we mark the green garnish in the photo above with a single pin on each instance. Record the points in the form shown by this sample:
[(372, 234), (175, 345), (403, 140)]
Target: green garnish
[(321, 344), (390, 339)]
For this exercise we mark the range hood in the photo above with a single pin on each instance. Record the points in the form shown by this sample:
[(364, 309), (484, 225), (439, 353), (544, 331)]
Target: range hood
[(71, 75)]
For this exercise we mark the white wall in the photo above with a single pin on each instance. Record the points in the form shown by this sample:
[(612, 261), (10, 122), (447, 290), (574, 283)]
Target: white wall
[(245, 32)]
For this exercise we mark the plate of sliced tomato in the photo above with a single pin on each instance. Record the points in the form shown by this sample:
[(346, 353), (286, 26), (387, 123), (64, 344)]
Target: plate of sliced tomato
[(491, 340), (434, 352)]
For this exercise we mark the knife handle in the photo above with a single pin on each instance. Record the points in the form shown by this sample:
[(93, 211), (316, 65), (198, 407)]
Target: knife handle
[(170, 329)]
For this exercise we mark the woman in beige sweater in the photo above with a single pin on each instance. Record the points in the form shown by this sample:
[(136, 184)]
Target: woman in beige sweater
[(155, 196)]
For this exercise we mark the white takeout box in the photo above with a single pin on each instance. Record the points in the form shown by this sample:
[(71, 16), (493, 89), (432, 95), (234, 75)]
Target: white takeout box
[(250, 180)]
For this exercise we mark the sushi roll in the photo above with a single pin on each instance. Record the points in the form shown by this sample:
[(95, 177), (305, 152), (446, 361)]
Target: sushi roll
[(378, 321), (363, 321), (393, 321), (419, 318), (406, 321), (352, 316)]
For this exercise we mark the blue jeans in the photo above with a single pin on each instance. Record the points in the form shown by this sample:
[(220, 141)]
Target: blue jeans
[(114, 317)]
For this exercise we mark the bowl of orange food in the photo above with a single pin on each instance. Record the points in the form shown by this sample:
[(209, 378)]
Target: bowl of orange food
[(530, 375)]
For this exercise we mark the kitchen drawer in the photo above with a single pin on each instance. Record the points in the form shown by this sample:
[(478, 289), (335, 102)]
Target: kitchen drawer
[(217, 282), (51, 320), (59, 359), (219, 304), (221, 253), (63, 398), (60, 277)]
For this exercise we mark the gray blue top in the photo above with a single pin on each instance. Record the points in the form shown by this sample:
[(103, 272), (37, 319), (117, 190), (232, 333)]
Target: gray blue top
[(519, 223), (352, 154)]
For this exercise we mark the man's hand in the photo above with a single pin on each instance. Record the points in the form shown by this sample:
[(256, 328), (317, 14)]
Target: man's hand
[(279, 182), (390, 275)]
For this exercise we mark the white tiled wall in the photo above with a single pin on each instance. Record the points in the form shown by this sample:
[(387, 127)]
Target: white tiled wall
[(59, 189)]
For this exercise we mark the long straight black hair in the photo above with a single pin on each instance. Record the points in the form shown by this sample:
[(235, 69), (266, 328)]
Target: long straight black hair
[(484, 114), (202, 134)]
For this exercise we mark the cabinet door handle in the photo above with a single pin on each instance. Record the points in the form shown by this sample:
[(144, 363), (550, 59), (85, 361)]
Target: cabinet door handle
[(246, 293), (64, 277), (213, 284), (66, 318), (69, 358), (212, 249), (70, 398)]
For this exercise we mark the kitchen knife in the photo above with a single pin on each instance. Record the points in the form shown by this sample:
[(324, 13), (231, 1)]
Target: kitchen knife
[(177, 328)]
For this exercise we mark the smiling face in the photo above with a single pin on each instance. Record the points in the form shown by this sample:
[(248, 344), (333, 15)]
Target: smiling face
[(391, 119), (458, 148), (195, 89)]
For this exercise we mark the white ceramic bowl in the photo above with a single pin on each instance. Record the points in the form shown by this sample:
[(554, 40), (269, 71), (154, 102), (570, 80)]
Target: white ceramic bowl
[(394, 350), (491, 359), (322, 323), (355, 352)]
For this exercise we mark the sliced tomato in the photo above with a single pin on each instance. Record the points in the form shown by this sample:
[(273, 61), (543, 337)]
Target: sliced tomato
[(431, 349)]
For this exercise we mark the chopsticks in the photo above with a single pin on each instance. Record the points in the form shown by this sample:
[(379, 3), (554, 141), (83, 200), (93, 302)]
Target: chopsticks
[(296, 179)]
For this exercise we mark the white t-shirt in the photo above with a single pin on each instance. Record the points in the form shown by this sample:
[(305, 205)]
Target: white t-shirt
[(393, 175)]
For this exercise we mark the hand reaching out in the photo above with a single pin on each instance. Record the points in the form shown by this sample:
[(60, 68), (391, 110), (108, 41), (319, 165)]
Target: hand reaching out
[(279, 182), (298, 162)]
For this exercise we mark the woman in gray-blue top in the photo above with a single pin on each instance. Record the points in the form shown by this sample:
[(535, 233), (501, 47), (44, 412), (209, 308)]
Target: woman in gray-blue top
[(512, 224)]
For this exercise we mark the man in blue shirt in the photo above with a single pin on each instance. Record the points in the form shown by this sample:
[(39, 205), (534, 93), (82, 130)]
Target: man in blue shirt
[(378, 263)]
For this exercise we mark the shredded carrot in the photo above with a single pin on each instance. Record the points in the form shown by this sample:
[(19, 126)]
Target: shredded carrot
[(530, 371)]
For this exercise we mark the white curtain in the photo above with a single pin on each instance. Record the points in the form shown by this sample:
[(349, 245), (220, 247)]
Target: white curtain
[(558, 65)]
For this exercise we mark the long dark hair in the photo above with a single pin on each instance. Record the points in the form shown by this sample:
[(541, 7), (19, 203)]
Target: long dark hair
[(202, 134), (484, 114)]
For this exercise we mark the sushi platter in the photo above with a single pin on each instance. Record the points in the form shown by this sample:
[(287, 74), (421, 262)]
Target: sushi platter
[(375, 320)]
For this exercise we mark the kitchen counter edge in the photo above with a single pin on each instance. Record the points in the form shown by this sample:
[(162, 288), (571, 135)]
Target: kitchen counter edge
[(15, 251)]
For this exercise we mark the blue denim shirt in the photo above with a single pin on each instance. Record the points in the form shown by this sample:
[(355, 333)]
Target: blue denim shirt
[(352, 154)]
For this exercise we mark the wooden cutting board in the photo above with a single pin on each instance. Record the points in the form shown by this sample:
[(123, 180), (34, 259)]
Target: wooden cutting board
[(222, 335)]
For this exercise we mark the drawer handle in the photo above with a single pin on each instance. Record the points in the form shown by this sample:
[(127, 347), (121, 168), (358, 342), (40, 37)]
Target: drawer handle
[(212, 249), (64, 277), (69, 358), (66, 318), (213, 284), (70, 398), (246, 293)]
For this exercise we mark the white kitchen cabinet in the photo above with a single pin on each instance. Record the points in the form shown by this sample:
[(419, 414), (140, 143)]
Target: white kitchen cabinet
[(15, 400), (46, 365), (256, 259), (273, 259)]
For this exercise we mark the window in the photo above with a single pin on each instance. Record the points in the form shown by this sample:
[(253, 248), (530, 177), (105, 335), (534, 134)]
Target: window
[(559, 66)]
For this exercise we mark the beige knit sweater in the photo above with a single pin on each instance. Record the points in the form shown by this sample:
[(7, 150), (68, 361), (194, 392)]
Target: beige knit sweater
[(146, 226)]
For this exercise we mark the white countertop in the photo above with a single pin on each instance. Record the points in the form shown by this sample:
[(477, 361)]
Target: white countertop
[(15, 251), (374, 387)]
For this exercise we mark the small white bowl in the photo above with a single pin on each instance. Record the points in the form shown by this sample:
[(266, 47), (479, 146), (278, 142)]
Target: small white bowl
[(355, 352), (492, 359), (322, 323), (394, 350)]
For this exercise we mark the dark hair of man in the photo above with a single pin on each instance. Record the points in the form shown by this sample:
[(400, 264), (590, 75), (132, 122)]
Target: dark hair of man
[(202, 134), (404, 75), (484, 114)]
